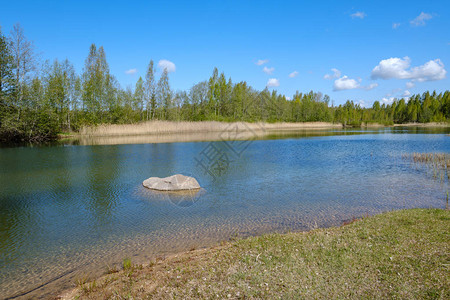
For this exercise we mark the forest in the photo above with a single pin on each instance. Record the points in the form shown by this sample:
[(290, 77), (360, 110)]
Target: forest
[(39, 100)]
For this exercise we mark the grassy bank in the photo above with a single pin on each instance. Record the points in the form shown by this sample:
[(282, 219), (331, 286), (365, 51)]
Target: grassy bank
[(401, 254)]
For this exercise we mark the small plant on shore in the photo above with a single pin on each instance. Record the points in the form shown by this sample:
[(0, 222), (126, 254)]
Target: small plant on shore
[(349, 221), (81, 281), (127, 264), (446, 204), (89, 287), (111, 269)]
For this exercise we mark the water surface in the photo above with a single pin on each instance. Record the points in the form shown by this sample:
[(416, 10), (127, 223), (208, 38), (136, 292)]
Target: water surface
[(68, 210)]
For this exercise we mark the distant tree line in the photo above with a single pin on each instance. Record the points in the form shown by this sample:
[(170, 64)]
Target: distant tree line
[(40, 100)]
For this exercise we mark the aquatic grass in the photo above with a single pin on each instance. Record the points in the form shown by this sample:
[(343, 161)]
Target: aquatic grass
[(437, 163), (399, 254), (435, 160)]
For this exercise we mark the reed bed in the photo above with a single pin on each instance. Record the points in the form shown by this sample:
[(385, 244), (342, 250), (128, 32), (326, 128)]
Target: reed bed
[(168, 127), (437, 163)]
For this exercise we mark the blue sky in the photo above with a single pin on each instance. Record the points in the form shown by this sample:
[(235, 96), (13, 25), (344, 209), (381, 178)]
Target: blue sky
[(379, 49)]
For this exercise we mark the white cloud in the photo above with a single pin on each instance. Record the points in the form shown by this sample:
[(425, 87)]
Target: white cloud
[(293, 74), (336, 74), (261, 62), (393, 67), (288, 98), (345, 83), (410, 84), (420, 19), (398, 68), (167, 65), (430, 71), (395, 25), (131, 71), (399, 93), (406, 93), (273, 82), (358, 14), (370, 86), (363, 103), (268, 70), (393, 92), (388, 100)]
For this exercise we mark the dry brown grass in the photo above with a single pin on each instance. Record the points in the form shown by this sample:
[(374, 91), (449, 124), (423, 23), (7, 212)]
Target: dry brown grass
[(168, 127), (430, 124)]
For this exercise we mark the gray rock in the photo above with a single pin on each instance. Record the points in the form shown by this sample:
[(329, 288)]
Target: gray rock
[(176, 182)]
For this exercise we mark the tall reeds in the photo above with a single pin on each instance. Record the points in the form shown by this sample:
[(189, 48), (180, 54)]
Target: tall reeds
[(438, 165), (168, 127), (438, 162)]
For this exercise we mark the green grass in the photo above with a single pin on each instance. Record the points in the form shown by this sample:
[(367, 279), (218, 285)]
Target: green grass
[(127, 264), (401, 254)]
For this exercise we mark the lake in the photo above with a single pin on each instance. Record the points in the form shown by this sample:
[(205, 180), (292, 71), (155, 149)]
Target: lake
[(74, 208)]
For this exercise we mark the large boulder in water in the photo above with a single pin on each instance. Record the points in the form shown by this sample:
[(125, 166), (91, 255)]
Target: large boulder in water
[(176, 182)]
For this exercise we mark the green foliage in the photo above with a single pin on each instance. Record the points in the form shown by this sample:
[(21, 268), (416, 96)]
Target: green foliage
[(7, 84), (150, 92), (127, 264), (164, 96), (139, 97), (35, 106)]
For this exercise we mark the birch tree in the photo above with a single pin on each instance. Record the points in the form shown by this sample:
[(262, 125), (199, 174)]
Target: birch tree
[(164, 94), (150, 91), (139, 97), (23, 55), (6, 71)]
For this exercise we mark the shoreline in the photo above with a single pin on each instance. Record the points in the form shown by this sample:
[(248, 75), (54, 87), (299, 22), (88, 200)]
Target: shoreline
[(180, 274), (169, 132), (179, 127)]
